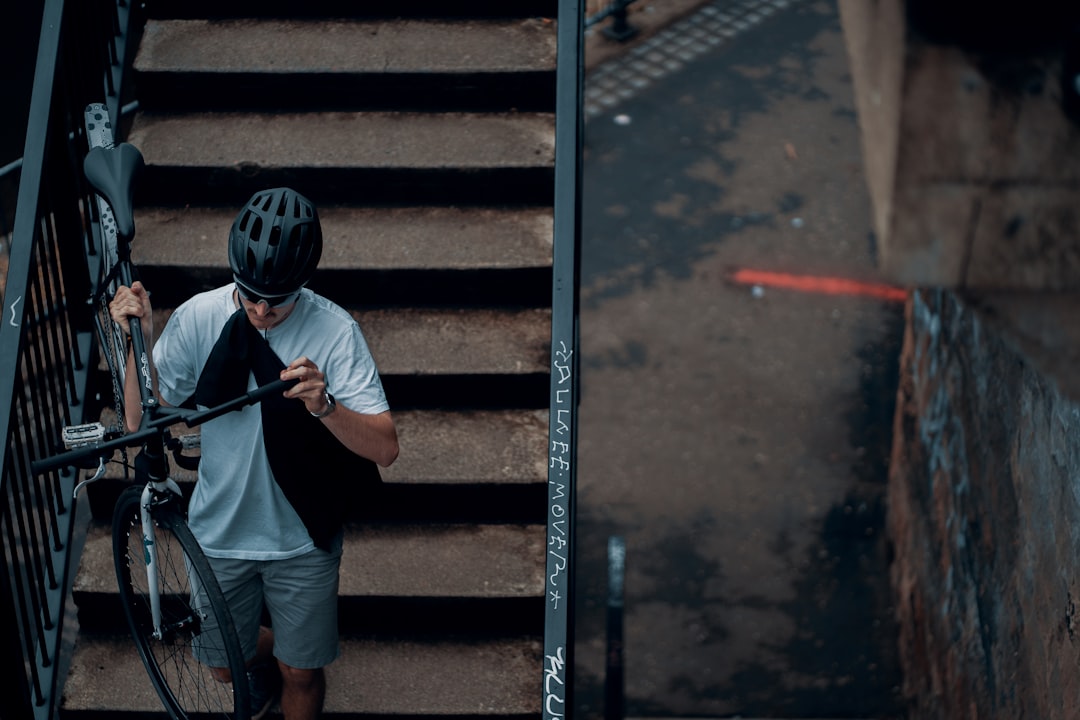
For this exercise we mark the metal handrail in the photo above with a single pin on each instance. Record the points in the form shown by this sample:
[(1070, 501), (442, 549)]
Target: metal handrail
[(563, 404), (45, 347)]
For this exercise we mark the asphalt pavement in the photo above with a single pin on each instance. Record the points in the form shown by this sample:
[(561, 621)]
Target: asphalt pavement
[(735, 434)]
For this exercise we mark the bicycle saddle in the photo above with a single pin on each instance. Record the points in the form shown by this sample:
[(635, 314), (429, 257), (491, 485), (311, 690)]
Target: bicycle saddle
[(111, 172)]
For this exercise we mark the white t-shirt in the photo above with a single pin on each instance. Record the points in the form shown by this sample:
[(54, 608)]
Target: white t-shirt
[(237, 509)]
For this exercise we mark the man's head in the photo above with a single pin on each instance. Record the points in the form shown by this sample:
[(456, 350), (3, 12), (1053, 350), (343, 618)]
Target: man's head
[(274, 245)]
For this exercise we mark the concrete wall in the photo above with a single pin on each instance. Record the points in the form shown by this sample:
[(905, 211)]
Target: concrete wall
[(984, 516)]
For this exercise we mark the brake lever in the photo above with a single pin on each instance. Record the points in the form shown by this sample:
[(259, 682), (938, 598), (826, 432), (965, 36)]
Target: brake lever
[(98, 474)]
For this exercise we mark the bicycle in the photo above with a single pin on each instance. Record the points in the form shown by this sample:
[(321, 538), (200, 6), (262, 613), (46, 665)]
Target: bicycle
[(174, 607)]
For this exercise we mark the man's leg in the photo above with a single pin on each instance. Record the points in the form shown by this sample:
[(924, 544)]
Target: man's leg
[(264, 649), (264, 678), (301, 594), (302, 692), (264, 652), (242, 587)]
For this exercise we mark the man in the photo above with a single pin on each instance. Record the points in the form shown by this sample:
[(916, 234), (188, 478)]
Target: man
[(268, 506)]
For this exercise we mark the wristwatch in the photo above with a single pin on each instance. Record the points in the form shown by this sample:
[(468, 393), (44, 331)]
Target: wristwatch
[(331, 406)]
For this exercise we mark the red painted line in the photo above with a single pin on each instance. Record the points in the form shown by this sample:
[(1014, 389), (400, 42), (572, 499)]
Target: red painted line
[(818, 284)]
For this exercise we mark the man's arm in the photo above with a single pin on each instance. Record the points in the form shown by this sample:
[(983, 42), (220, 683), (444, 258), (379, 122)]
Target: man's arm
[(370, 436), (132, 302)]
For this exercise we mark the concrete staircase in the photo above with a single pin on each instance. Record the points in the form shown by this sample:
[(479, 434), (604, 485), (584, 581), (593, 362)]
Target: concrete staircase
[(425, 135)]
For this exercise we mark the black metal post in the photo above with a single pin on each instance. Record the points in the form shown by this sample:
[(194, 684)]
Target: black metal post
[(558, 671), (614, 679), (620, 29)]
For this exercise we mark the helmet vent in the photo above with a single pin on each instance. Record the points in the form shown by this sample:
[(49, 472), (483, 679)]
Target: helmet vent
[(256, 229), (275, 235), (295, 235), (244, 221), (266, 201), (283, 205)]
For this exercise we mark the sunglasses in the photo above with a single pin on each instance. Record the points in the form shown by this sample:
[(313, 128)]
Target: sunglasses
[(270, 300)]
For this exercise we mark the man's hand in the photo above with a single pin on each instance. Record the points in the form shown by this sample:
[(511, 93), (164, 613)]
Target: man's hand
[(311, 388), (131, 302), (134, 302)]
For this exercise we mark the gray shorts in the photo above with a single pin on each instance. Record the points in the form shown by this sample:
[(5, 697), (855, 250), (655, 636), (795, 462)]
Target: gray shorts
[(301, 596)]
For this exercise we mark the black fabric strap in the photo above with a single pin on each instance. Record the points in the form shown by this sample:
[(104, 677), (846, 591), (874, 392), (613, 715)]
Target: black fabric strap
[(320, 477)]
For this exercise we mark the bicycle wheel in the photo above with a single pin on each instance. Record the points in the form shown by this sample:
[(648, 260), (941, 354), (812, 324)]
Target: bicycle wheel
[(195, 620)]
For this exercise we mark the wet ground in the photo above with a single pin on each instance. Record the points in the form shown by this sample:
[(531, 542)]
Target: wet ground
[(735, 435)]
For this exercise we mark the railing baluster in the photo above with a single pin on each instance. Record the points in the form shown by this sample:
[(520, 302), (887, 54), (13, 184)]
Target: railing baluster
[(23, 614), (31, 417)]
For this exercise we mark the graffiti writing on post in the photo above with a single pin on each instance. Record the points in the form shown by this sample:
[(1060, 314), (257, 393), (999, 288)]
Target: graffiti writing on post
[(555, 685), (559, 467), (559, 538)]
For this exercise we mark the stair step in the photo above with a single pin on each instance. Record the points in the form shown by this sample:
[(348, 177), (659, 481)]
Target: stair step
[(440, 680), (503, 478), (437, 341), (363, 238), (347, 158), (470, 359), (513, 451), (347, 64), (373, 676), (350, 8), (347, 46), (441, 561), (475, 578), (449, 561), (476, 341), (384, 256), (392, 502), (333, 140)]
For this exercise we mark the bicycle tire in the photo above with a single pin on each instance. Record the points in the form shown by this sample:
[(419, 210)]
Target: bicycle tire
[(186, 687)]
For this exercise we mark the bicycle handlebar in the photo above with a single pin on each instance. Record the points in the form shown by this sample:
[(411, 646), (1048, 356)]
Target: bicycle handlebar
[(164, 418)]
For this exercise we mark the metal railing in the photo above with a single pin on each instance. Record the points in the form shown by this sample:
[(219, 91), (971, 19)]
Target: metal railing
[(45, 347), (563, 407)]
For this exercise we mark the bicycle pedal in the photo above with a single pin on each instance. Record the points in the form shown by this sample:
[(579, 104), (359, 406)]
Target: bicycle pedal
[(75, 436), (192, 441)]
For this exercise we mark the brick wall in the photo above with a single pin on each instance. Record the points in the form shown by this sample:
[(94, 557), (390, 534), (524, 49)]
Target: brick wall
[(984, 517)]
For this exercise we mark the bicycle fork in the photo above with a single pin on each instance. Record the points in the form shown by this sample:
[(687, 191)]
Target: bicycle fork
[(150, 490)]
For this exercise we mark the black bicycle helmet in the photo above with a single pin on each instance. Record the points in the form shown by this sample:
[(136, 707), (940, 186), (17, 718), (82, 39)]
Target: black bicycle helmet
[(275, 242)]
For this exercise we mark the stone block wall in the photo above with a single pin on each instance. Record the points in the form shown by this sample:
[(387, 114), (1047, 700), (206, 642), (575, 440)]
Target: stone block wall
[(984, 518)]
